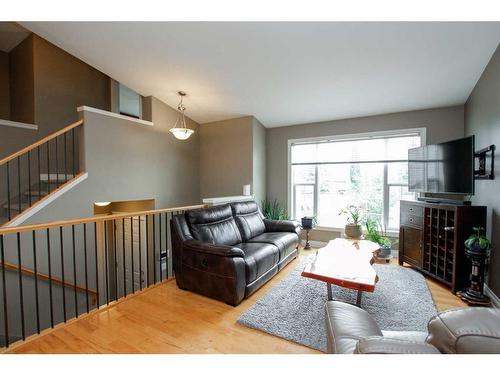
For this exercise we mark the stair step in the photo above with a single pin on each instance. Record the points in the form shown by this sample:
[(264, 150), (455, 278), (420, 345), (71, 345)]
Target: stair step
[(36, 193), (54, 177), (14, 206)]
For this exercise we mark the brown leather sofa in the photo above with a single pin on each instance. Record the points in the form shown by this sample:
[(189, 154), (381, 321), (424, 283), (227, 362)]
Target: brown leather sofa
[(351, 330), (227, 252)]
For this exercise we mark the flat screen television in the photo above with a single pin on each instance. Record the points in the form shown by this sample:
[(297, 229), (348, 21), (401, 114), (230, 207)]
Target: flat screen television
[(446, 168)]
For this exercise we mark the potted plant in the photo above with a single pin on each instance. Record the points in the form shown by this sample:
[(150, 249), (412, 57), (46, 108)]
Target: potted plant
[(273, 210), (373, 234), (307, 223), (477, 249), (477, 243), (353, 226)]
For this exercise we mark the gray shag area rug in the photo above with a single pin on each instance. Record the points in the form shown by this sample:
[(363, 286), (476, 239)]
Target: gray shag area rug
[(294, 308)]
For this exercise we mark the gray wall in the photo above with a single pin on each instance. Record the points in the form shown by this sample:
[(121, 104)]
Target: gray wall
[(47, 84), (482, 119), (4, 86), (226, 158), (442, 124), (259, 161), (128, 161)]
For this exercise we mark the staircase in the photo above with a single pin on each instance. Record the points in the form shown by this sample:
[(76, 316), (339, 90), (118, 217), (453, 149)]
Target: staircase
[(31, 175), (33, 194)]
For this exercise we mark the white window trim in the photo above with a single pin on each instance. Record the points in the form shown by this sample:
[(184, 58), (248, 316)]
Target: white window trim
[(343, 137)]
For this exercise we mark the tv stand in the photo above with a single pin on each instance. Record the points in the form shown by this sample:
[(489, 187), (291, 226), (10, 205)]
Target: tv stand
[(435, 200), (432, 236)]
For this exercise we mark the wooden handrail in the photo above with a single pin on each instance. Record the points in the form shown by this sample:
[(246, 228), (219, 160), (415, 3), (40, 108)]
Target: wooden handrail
[(40, 142), (56, 280), (94, 219)]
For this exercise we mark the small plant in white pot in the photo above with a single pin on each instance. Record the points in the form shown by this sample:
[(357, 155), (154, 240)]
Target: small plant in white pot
[(353, 226)]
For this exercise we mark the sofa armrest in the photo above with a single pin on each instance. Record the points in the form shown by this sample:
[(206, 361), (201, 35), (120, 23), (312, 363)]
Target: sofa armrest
[(282, 226), (383, 345), (208, 248)]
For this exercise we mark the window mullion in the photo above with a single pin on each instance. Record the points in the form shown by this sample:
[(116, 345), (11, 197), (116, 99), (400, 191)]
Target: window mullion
[(316, 192)]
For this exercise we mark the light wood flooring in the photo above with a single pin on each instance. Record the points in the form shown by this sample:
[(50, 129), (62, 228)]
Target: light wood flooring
[(165, 319)]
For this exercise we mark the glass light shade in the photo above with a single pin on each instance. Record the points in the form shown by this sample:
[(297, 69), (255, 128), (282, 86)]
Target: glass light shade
[(181, 133), (102, 204)]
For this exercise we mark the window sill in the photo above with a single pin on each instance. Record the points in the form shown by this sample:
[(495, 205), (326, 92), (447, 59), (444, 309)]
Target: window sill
[(389, 233)]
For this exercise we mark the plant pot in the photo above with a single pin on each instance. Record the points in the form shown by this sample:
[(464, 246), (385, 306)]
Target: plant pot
[(353, 231), (307, 222), (385, 251)]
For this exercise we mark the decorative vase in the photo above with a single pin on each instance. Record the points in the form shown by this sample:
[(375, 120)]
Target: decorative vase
[(353, 231)]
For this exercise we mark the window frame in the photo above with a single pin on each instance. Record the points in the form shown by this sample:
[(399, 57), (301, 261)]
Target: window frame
[(422, 131)]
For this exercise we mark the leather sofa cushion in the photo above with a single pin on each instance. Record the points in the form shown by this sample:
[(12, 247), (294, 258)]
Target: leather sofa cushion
[(286, 242), (464, 331), (248, 219), (415, 336), (346, 325), (384, 345), (214, 225), (259, 258)]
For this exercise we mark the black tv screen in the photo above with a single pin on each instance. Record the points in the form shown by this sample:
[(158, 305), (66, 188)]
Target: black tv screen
[(443, 168)]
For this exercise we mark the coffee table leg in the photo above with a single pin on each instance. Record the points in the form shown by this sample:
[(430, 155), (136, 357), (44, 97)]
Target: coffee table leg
[(358, 298), (329, 290)]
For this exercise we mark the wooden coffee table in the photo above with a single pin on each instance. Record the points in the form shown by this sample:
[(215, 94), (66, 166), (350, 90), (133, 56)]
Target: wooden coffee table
[(346, 263)]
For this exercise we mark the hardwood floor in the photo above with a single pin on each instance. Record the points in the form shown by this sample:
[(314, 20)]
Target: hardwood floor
[(165, 319)]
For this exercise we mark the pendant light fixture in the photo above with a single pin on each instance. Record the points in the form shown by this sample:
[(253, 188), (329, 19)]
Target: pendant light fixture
[(180, 130)]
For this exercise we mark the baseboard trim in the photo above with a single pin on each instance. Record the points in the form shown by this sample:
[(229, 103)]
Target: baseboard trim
[(16, 124), (495, 301)]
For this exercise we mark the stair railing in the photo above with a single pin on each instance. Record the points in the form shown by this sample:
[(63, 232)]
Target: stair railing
[(30, 174), (53, 273)]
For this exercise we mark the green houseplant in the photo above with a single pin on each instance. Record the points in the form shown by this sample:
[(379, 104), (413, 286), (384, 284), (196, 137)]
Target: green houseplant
[(379, 237), (477, 243), (353, 226), (273, 210)]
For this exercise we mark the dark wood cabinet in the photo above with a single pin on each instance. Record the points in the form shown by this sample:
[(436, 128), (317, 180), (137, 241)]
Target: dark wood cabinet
[(432, 236)]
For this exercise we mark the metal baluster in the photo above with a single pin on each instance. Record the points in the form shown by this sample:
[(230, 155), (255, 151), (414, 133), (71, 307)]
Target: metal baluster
[(166, 245), (106, 260), (19, 270), (48, 167), (147, 251), (74, 269), (140, 254), (62, 271), (96, 265), (160, 255), (85, 262), (57, 164), (36, 284), (50, 280), (73, 149), (132, 251), (39, 172), (4, 287), (154, 250), (65, 159), (29, 177), (115, 266), (123, 255), (8, 191), (19, 182)]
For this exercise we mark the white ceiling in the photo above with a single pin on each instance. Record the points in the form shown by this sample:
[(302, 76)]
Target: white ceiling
[(286, 73)]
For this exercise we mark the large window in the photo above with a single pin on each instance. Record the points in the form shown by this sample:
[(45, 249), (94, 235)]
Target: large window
[(367, 170)]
